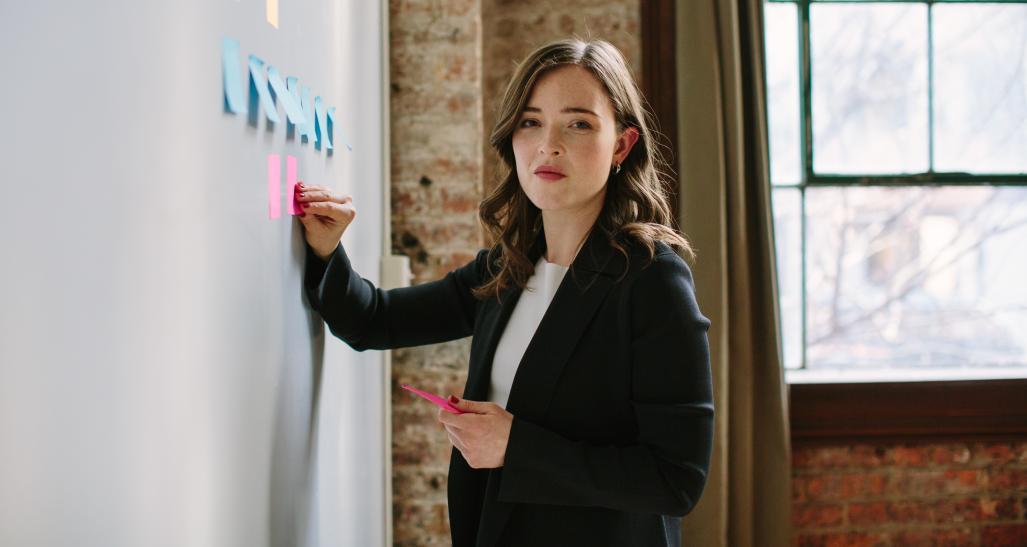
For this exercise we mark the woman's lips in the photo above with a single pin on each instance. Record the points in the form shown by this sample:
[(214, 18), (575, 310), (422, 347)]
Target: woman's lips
[(549, 175)]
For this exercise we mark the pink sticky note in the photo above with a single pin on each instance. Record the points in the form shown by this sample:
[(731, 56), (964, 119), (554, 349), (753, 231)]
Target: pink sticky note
[(292, 207), (274, 186), (439, 401)]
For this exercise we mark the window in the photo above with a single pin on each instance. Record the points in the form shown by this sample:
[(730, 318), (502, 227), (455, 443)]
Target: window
[(898, 147)]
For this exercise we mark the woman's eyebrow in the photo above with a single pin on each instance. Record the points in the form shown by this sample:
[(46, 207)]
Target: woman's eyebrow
[(568, 110)]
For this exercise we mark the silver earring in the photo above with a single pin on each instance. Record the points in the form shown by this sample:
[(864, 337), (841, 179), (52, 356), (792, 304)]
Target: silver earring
[(616, 169)]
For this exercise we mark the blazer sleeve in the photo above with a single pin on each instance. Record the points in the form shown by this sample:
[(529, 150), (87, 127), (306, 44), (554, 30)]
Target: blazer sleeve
[(664, 469), (366, 317)]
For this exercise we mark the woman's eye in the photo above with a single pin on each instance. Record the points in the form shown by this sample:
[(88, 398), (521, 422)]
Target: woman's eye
[(528, 123), (581, 125)]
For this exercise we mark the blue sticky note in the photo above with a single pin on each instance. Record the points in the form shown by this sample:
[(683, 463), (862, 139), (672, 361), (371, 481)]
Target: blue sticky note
[(331, 129), (305, 129), (323, 138), (308, 112), (258, 84), (292, 107), (235, 101)]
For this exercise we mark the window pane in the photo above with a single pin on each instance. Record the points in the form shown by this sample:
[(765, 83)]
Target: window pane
[(782, 47), (980, 89), (869, 88), (787, 232), (917, 278)]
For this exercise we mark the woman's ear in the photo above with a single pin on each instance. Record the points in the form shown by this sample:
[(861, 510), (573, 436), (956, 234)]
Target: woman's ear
[(625, 142)]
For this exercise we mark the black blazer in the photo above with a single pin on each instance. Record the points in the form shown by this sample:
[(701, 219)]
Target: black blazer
[(612, 401)]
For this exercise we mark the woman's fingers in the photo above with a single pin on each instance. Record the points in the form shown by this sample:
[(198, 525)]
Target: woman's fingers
[(455, 441), (323, 195), (341, 212)]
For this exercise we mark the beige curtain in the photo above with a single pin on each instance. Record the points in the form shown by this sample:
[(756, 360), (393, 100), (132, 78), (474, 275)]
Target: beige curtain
[(725, 208)]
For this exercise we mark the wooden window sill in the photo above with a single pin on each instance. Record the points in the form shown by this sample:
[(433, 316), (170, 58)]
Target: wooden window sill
[(971, 409)]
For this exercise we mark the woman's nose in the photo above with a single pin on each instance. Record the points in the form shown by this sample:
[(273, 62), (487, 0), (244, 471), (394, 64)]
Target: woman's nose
[(550, 144)]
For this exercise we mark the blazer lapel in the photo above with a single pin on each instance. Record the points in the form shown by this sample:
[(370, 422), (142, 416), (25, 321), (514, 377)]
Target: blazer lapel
[(583, 289), (579, 296)]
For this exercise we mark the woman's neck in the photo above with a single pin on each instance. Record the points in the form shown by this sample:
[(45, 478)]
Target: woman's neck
[(566, 232)]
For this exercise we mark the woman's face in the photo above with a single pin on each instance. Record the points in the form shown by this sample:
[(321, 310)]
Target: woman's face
[(566, 141)]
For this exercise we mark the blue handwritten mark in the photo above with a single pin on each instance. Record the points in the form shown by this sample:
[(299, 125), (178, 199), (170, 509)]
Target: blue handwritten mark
[(292, 106), (258, 85), (234, 99)]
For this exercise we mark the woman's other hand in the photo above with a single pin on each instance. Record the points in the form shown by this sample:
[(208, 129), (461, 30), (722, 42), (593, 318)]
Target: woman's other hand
[(326, 215), (481, 434)]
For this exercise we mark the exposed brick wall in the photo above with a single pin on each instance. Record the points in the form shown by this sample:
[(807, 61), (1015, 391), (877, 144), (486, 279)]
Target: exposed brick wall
[(435, 109), (438, 137), (911, 494)]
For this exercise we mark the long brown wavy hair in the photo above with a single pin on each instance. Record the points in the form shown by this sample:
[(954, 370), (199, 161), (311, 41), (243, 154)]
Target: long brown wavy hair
[(636, 205)]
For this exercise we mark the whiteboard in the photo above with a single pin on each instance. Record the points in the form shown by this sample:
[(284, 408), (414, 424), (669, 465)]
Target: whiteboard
[(163, 380)]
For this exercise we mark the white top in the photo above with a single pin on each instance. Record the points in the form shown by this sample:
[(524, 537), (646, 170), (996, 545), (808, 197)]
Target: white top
[(524, 320)]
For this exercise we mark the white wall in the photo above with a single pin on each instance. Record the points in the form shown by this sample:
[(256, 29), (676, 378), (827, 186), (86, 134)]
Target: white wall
[(162, 380)]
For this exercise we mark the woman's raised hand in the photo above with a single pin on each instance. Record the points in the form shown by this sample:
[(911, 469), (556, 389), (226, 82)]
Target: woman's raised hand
[(326, 215)]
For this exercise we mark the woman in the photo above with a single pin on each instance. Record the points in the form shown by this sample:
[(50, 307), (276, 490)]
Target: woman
[(589, 400)]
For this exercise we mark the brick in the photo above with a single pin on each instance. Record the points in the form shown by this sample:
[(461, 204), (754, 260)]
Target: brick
[(920, 483), (868, 514), (410, 415), (424, 138), (949, 454), (904, 511), (449, 358), (1004, 536), (1003, 479), (909, 456), (974, 509), (842, 539), (405, 10), (845, 486), (417, 447), (817, 516), (420, 483), (936, 537), (819, 457), (802, 458), (452, 170), (993, 454), (414, 101), (455, 233), (418, 200), (878, 513), (865, 455), (446, 31), (960, 510), (1020, 451), (999, 509), (420, 523), (798, 490), (439, 63)]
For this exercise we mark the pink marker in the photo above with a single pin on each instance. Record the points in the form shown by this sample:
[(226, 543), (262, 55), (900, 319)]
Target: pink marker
[(439, 401)]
